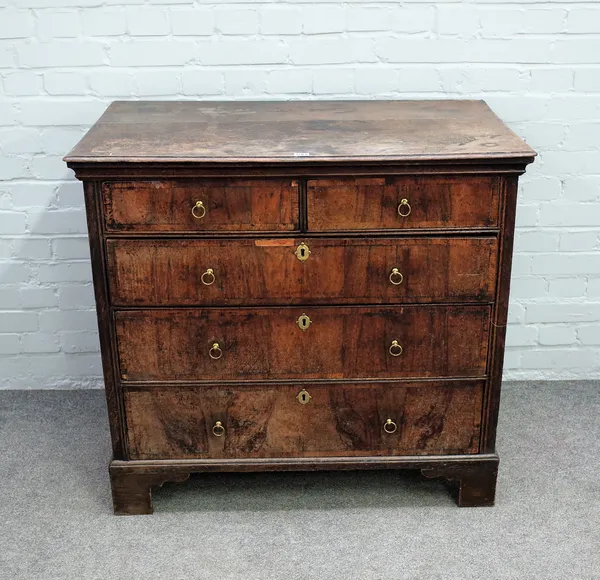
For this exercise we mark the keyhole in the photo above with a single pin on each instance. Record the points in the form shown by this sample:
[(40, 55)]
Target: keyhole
[(303, 322), (303, 397), (302, 252)]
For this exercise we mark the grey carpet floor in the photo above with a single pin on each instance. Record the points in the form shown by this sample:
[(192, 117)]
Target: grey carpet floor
[(56, 521)]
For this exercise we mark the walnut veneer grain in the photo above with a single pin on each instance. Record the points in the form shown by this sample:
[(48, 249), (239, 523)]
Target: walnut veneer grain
[(301, 285), (264, 271)]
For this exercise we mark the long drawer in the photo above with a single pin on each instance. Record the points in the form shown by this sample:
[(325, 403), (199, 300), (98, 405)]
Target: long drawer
[(202, 205), (274, 271), (312, 420), (403, 202), (302, 343)]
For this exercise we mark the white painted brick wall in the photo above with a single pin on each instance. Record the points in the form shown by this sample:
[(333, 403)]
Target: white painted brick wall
[(62, 61)]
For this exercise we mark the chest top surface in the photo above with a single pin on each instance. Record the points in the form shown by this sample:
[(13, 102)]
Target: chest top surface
[(297, 132)]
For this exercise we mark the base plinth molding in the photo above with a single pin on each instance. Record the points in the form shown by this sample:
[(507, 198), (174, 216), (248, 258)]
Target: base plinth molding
[(132, 481)]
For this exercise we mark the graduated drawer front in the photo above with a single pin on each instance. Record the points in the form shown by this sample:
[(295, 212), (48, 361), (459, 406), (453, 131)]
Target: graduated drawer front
[(226, 205), (371, 203), (345, 420), (268, 343), (246, 272)]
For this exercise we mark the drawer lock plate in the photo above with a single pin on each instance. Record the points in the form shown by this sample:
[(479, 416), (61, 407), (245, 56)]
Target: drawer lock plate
[(302, 252), (303, 397), (303, 322)]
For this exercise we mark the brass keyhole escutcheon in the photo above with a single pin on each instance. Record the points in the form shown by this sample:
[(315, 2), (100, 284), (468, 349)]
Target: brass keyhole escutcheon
[(303, 397), (303, 322), (302, 252)]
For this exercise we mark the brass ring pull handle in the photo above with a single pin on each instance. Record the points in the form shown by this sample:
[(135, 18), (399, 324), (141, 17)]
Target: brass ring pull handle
[(215, 351), (218, 429), (208, 277), (404, 208), (396, 277), (199, 210), (395, 349), (390, 427)]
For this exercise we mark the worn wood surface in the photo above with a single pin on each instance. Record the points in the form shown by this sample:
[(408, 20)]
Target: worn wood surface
[(177, 423), (371, 203), (233, 132), (114, 401), (272, 175), (267, 344), (94, 171), (132, 492), (266, 271), (132, 481), (228, 205), (500, 317), (474, 484)]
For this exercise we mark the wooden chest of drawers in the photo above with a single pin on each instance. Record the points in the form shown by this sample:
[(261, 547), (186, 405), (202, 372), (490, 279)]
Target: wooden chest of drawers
[(301, 286)]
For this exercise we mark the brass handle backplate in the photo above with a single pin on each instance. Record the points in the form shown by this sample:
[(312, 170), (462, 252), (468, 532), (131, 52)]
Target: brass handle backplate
[(215, 351), (390, 427), (208, 277), (218, 429), (396, 277), (404, 208), (395, 349), (199, 210)]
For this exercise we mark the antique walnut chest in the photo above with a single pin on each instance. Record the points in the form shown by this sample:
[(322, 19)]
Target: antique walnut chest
[(301, 286)]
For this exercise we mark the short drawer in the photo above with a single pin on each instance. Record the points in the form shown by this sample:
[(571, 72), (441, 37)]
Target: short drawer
[(303, 421), (209, 205), (403, 202), (302, 343), (244, 272)]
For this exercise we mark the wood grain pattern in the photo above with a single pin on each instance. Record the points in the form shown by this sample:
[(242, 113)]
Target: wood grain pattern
[(94, 171), (476, 481), (132, 492), (298, 131), (266, 271), (114, 402), (133, 480), (230, 204), (500, 317), (271, 175), (269, 422), (371, 203), (267, 344)]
